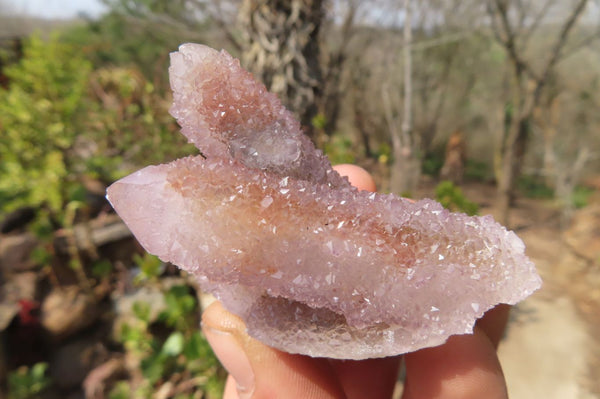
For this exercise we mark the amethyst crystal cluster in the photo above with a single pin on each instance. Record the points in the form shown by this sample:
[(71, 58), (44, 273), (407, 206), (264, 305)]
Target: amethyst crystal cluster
[(311, 264)]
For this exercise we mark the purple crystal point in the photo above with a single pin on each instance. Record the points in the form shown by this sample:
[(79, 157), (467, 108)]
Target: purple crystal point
[(311, 264), (225, 112)]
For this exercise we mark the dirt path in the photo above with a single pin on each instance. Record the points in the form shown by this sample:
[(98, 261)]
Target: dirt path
[(545, 353), (550, 347), (553, 341)]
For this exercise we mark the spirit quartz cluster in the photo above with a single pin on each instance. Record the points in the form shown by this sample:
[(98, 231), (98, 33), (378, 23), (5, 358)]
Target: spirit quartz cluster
[(311, 264)]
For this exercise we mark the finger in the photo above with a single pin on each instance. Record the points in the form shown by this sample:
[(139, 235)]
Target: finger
[(230, 389), (357, 176), (494, 321), (370, 378), (465, 367), (263, 372)]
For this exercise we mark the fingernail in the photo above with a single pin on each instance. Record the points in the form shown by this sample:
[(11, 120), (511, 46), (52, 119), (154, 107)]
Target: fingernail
[(233, 358)]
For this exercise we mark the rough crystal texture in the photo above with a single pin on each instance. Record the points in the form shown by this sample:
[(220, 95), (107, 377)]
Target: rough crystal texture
[(225, 112), (311, 264)]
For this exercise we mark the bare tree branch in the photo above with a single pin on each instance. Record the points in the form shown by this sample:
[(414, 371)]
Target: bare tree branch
[(407, 55), (556, 52), (506, 35), (219, 18), (539, 17), (585, 42)]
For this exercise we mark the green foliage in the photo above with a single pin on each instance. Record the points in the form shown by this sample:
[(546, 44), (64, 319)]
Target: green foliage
[(181, 307), (121, 390), (339, 150), (61, 121), (41, 256), (319, 121), (478, 170), (384, 153), (39, 115), (581, 196), (116, 39), (173, 346), (150, 267), (102, 268), (184, 351), (433, 162), (28, 382), (534, 187), (452, 198), (128, 124)]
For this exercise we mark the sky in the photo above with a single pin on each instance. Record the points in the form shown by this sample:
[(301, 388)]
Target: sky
[(57, 8), (71, 8)]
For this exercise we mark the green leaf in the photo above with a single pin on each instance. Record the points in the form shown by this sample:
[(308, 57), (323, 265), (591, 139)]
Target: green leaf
[(102, 268), (150, 267), (173, 346), (452, 198), (25, 383), (141, 310), (197, 348), (153, 367), (121, 390), (38, 371)]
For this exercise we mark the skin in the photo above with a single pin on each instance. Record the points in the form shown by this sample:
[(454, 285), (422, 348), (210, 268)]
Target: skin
[(465, 367)]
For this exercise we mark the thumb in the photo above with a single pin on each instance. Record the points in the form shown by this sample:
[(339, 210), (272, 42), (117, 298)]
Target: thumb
[(260, 371)]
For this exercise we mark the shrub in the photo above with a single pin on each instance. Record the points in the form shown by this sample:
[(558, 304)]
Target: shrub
[(534, 187), (39, 114), (581, 196), (452, 198), (28, 382), (184, 353), (478, 170), (339, 150)]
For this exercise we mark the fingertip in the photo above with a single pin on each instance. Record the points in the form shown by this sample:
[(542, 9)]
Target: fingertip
[(494, 321), (357, 176), (225, 334), (230, 391), (217, 317)]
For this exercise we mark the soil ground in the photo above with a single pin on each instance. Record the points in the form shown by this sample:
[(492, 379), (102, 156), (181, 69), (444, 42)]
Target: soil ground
[(552, 343)]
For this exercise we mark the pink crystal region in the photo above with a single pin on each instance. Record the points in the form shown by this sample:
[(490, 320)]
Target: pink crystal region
[(225, 112), (311, 264)]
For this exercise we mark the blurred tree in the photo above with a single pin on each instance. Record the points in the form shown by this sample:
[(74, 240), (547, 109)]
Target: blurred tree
[(568, 119), (180, 14), (457, 81), (336, 38), (121, 39), (280, 41), (406, 145), (514, 23), (438, 47)]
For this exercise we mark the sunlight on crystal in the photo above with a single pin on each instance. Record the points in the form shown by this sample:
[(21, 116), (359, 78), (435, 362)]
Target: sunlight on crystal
[(312, 265)]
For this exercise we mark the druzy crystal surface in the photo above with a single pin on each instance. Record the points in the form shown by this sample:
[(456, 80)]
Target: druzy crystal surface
[(311, 264)]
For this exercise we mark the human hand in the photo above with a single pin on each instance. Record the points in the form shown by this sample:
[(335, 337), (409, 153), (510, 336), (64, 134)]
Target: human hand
[(465, 367)]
